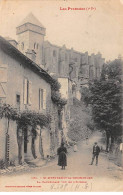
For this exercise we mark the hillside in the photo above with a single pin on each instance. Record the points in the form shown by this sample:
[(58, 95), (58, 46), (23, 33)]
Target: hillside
[(80, 122)]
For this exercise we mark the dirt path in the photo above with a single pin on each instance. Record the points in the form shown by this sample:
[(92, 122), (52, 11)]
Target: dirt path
[(78, 176)]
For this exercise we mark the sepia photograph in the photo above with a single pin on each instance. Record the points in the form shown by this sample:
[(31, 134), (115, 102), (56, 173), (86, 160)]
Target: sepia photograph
[(61, 78)]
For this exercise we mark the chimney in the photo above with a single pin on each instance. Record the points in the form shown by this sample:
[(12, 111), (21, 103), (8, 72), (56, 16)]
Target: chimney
[(31, 54)]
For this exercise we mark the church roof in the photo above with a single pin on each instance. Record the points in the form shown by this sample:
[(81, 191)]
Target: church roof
[(31, 19)]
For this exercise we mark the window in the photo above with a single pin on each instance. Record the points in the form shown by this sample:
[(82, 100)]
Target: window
[(91, 73), (34, 45), (76, 59), (59, 68), (18, 101), (42, 99), (83, 70), (27, 91), (54, 53), (66, 57), (59, 120)]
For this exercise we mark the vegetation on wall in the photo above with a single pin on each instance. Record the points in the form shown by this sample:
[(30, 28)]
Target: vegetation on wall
[(55, 94), (33, 118), (24, 118), (56, 98), (9, 113), (55, 85)]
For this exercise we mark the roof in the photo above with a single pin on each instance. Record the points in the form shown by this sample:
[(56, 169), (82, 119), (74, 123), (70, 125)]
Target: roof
[(16, 54), (10, 39), (31, 19)]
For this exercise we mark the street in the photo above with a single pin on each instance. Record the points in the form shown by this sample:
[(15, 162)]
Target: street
[(78, 175)]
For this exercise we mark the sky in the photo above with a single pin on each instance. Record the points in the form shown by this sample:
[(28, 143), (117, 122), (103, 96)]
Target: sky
[(96, 30)]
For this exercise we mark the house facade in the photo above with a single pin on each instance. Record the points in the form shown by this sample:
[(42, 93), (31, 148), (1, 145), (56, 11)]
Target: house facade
[(26, 86)]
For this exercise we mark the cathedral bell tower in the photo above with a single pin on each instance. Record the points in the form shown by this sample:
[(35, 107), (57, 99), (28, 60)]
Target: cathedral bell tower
[(31, 37)]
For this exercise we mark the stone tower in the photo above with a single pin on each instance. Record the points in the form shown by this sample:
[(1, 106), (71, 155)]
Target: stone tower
[(31, 37)]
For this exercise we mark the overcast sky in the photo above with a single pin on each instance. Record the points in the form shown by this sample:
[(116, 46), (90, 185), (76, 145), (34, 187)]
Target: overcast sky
[(94, 30)]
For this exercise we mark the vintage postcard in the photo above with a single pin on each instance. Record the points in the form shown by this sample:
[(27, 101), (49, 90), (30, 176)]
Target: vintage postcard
[(61, 126)]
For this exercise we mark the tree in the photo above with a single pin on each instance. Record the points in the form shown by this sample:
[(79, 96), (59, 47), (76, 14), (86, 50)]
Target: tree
[(10, 113), (85, 95), (106, 100)]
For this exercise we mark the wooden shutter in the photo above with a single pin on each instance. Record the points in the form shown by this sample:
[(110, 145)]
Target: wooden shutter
[(3, 73), (3, 80), (40, 98), (25, 91), (44, 98), (29, 92)]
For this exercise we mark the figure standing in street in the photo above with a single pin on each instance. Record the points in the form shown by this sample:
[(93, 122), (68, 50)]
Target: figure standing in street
[(96, 151), (62, 158), (75, 147), (87, 139)]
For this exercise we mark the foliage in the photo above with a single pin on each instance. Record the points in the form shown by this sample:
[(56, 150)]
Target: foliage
[(55, 85), (85, 95), (106, 99), (114, 70), (2, 164), (55, 94), (33, 118), (56, 98), (24, 118), (9, 112)]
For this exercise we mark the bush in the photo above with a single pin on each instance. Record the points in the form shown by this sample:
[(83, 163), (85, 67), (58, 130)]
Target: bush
[(2, 164), (56, 98)]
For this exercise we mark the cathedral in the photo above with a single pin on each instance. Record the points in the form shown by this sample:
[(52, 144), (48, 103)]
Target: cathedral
[(64, 63)]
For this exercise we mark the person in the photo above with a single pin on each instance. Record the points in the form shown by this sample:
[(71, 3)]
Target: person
[(96, 151), (62, 158), (121, 147), (75, 147), (87, 139)]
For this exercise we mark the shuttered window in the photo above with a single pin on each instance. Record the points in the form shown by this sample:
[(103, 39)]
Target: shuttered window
[(42, 99), (3, 80), (27, 92)]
